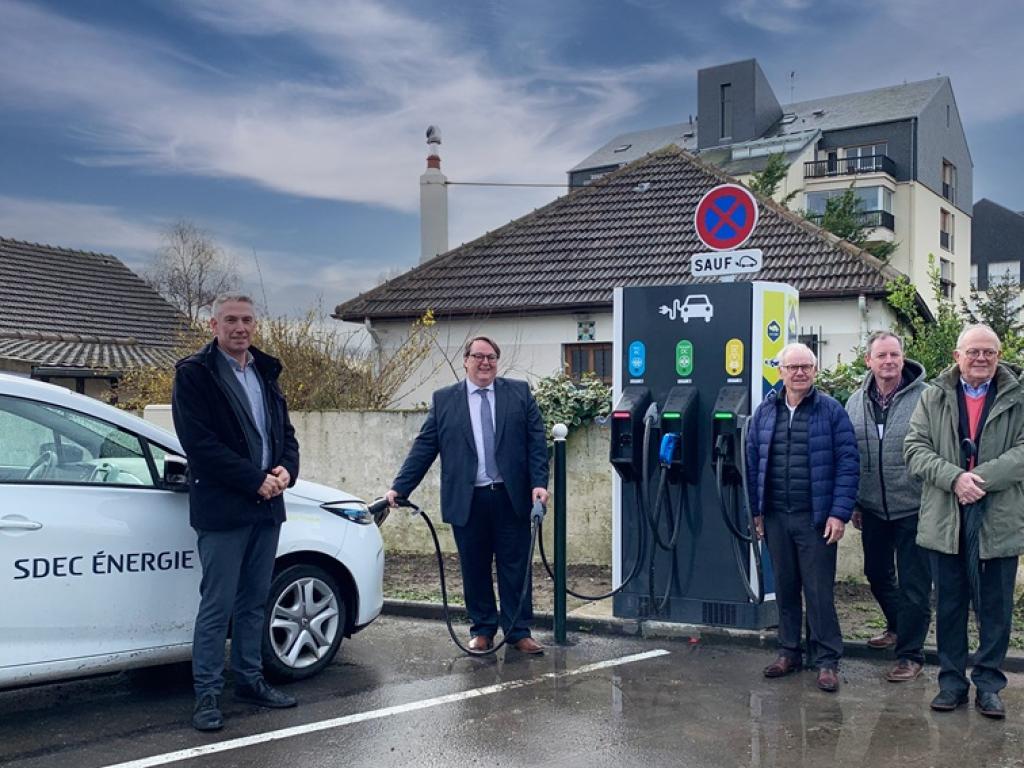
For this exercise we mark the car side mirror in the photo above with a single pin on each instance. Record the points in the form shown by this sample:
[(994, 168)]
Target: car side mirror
[(175, 473)]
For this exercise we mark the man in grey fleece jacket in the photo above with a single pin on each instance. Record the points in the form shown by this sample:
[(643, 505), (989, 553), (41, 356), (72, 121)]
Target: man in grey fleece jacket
[(888, 502)]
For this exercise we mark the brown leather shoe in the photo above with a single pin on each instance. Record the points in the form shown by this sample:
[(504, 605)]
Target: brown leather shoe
[(529, 645), (828, 679), (781, 667), (481, 643), (904, 671), (885, 640)]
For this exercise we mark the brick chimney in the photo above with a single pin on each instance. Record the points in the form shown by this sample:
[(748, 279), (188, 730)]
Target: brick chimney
[(433, 201)]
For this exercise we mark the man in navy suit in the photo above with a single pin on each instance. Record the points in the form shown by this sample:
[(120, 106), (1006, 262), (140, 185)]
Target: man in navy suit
[(494, 466)]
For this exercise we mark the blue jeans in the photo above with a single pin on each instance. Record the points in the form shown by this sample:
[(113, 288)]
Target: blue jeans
[(237, 568)]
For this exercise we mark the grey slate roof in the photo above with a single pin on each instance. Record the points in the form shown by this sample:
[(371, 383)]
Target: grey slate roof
[(997, 234), (65, 308), (631, 227), (880, 105), (639, 143)]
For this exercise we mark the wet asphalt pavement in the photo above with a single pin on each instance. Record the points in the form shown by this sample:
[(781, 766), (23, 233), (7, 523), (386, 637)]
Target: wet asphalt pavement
[(398, 695)]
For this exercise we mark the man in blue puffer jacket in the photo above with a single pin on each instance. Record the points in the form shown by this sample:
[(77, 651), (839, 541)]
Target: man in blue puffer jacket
[(803, 469)]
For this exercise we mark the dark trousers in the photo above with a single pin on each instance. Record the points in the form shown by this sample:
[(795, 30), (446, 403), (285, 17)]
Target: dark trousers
[(495, 534), (803, 562), (953, 594), (901, 581), (237, 568)]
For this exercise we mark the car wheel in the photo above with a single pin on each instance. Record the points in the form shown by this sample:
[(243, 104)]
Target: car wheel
[(305, 622)]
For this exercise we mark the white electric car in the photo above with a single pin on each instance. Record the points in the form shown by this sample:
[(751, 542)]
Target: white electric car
[(98, 564)]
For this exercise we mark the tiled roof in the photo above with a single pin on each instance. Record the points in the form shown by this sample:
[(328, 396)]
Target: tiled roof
[(631, 227), (93, 355), (60, 307)]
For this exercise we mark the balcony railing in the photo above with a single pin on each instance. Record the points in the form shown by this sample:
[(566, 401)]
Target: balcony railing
[(949, 192), (871, 219), (946, 240), (848, 166)]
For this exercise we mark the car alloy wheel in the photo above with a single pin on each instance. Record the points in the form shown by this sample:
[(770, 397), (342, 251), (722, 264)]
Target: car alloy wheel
[(305, 622)]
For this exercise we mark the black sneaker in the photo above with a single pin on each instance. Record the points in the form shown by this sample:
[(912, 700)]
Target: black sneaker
[(947, 701), (263, 695), (206, 716)]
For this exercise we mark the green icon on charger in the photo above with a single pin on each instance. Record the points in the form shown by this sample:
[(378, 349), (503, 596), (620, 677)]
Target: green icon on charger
[(684, 358)]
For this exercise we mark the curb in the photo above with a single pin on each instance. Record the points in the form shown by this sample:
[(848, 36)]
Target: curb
[(664, 630)]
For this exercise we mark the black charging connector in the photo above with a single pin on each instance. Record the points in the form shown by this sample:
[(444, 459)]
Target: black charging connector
[(679, 417)]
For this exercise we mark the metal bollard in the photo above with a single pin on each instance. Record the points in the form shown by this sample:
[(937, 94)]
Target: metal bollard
[(559, 432)]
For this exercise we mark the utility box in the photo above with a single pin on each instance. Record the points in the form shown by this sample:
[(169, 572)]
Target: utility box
[(706, 356)]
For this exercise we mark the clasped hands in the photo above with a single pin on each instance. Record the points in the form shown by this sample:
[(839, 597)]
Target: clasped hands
[(275, 483), (968, 488)]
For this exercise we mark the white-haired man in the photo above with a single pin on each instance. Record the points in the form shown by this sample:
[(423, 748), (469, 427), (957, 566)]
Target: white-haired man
[(803, 470), (966, 444)]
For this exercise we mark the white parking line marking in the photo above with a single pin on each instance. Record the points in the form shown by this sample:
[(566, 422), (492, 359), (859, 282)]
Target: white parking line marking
[(376, 714)]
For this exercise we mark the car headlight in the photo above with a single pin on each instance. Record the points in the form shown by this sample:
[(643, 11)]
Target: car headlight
[(353, 511)]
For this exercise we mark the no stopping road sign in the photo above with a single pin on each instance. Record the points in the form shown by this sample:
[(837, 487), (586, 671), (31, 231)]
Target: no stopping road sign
[(726, 217)]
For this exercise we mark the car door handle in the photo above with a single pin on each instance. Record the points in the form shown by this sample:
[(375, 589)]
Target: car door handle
[(20, 525)]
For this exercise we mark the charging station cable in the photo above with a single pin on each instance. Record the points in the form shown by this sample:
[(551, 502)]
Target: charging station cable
[(536, 518), (730, 502)]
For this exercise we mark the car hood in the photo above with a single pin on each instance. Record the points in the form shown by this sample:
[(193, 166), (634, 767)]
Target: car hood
[(309, 491)]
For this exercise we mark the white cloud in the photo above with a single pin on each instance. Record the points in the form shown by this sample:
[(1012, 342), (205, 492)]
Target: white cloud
[(78, 226), (770, 15), (355, 134)]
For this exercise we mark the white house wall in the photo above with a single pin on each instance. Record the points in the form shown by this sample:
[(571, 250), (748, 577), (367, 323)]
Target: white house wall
[(532, 346)]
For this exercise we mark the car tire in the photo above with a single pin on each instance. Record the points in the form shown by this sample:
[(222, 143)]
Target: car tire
[(305, 624)]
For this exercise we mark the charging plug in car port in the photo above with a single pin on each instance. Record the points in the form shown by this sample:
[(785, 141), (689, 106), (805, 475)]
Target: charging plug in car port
[(353, 511)]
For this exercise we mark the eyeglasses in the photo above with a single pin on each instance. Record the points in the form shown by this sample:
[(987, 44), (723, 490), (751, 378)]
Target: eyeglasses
[(798, 368), (988, 354), (480, 357)]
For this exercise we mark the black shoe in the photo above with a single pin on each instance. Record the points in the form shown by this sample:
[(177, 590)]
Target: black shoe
[(947, 701), (990, 705), (206, 716), (263, 695)]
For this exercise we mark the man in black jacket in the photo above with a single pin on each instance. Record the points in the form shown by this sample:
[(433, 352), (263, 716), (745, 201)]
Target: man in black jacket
[(233, 423)]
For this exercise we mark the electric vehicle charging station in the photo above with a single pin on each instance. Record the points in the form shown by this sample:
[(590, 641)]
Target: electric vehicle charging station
[(692, 363)]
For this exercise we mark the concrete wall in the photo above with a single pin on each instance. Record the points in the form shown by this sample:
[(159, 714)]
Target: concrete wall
[(361, 452)]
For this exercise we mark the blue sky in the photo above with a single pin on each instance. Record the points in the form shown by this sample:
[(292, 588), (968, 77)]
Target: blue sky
[(293, 130)]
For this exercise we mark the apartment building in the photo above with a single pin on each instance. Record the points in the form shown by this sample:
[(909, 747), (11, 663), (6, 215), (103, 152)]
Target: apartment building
[(902, 148)]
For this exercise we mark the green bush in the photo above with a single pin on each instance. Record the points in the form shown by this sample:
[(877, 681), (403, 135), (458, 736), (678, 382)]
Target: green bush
[(843, 379), (562, 400)]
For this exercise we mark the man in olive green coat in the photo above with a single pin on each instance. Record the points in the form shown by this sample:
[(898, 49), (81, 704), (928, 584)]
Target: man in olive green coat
[(966, 444)]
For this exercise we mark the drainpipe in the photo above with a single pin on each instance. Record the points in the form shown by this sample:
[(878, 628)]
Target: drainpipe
[(378, 348), (862, 306)]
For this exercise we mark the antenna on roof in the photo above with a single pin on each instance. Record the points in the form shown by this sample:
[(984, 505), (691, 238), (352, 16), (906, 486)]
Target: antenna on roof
[(792, 85)]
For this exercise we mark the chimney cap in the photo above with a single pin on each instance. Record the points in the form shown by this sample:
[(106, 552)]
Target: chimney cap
[(433, 134)]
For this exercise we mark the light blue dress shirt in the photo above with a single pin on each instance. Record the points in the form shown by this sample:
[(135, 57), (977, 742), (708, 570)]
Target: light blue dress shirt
[(478, 436), (250, 381)]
